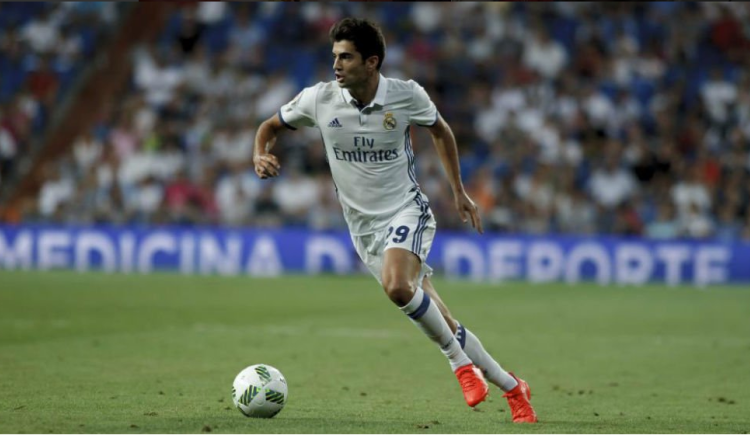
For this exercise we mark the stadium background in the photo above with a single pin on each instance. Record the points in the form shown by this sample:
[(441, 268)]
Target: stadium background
[(572, 119), (615, 150)]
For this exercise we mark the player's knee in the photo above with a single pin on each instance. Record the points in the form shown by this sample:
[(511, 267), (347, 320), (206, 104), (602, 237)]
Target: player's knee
[(400, 291)]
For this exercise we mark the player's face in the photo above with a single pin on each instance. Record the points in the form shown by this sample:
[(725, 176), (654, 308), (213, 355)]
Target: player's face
[(349, 68)]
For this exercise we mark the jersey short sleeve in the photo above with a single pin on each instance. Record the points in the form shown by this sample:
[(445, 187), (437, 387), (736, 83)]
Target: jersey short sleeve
[(422, 110), (300, 112)]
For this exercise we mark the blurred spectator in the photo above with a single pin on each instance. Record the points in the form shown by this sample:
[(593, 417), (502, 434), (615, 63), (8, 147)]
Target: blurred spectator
[(44, 84), (665, 226), (326, 213), (87, 151), (8, 149), (611, 185), (143, 201), (718, 95), (58, 189), (189, 203), (236, 193), (69, 47), (157, 77), (544, 55), (691, 192), (696, 223), (295, 195), (42, 33)]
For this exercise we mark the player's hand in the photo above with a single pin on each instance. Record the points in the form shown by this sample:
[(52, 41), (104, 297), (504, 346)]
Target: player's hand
[(266, 165), (468, 210)]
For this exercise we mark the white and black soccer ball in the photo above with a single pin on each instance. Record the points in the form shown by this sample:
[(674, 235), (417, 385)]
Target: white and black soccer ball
[(259, 391)]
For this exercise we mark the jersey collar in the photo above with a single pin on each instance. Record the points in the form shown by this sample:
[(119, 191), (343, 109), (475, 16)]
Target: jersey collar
[(379, 99)]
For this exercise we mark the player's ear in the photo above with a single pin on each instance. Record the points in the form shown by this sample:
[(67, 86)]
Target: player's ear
[(372, 62)]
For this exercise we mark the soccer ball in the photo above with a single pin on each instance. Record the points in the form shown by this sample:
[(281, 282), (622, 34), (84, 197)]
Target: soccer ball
[(259, 391)]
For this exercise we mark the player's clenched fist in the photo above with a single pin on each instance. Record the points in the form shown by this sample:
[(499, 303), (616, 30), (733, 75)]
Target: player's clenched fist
[(266, 166)]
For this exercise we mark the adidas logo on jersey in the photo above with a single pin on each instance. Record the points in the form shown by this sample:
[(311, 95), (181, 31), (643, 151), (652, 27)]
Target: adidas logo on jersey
[(335, 123)]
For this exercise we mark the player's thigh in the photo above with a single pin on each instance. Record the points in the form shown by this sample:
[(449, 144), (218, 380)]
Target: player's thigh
[(430, 290), (369, 247), (407, 243), (400, 268)]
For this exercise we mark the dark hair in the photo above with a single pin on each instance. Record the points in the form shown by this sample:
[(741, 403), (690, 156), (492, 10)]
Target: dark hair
[(364, 34)]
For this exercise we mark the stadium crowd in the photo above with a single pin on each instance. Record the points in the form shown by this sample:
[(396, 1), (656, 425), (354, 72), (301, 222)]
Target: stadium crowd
[(578, 118), (43, 48)]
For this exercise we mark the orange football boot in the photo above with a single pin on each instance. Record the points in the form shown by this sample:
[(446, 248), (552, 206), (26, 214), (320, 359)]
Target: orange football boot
[(518, 399), (473, 384)]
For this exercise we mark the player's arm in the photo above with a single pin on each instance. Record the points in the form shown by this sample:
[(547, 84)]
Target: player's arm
[(266, 164), (445, 144)]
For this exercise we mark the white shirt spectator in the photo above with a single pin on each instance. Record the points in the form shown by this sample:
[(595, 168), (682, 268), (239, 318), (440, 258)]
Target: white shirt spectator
[(8, 145), (571, 152), (530, 119), (235, 194), (220, 82), (42, 35), (158, 80), (696, 224), (86, 151), (138, 166), (598, 108), (134, 168), (566, 108), (547, 136), (326, 213), (197, 73), (545, 56), (717, 95), (234, 145), (146, 197), (686, 193), (105, 176), (651, 67), (535, 190), (574, 213), (611, 186), (481, 47), (278, 92), (211, 12), (625, 110), (509, 98), (166, 164), (488, 123), (69, 48), (625, 60), (426, 16), (144, 120), (295, 194), (53, 193)]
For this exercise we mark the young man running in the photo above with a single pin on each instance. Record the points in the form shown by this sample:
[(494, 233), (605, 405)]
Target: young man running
[(364, 121)]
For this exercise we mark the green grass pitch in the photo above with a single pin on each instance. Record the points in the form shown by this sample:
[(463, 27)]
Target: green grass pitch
[(158, 353)]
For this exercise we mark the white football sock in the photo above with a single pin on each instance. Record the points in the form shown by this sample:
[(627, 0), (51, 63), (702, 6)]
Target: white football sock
[(427, 317), (492, 370)]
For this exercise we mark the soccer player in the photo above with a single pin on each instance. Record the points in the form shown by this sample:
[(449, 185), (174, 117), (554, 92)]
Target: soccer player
[(364, 121)]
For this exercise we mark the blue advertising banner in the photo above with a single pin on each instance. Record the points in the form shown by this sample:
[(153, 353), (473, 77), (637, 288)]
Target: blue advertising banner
[(256, 252)]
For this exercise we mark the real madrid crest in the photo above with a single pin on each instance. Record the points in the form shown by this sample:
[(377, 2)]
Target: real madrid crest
[(389, 123)]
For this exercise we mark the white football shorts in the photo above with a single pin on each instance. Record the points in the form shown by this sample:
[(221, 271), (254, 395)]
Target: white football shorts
[(412, 228)]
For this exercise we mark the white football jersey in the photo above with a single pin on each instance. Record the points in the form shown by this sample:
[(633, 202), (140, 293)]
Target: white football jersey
[(369, 150)]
